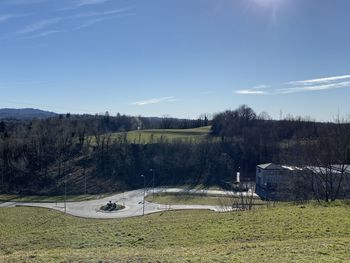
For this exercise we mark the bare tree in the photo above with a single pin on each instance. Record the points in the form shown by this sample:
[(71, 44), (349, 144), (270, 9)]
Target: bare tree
[(328, 158)]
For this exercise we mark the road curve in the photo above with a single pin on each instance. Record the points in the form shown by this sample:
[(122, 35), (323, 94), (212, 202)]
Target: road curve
[(133, 202)]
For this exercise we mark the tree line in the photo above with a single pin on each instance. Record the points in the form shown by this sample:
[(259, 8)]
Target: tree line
[(37, 156), (322, 149), (41, 156)]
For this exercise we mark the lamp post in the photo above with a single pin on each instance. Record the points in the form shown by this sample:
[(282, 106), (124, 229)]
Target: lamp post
[(154, 174), (65, 193), (144, 193)]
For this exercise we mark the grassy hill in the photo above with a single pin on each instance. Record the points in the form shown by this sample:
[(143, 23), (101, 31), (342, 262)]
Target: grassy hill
[(286, 233), (167, 135)]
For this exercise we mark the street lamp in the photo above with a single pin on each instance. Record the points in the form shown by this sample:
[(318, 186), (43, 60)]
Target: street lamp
[(154, 173), (65, 192), (144, 194)]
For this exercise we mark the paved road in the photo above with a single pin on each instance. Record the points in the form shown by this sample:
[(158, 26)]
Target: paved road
[(133, 202)]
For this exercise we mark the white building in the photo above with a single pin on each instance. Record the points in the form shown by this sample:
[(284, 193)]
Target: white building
[(281, 182)]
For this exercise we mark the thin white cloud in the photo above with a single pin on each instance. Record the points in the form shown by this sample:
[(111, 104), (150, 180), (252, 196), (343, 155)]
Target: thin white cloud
[(250, 92), (82, 3), (43, 34), (77, 21), (39, 25), (91, 22), (24, 2), (259, 87), (338, 85), (319, 80), (154, 101), (103, 13), (319, 84), (5, 17), (39, 29)]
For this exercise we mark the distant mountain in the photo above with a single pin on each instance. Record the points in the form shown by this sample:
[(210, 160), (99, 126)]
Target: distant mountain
[(27, 113)]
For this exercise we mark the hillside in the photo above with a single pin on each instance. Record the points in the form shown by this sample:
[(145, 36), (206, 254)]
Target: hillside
[(23, 114), (106, 153), (286, 233)]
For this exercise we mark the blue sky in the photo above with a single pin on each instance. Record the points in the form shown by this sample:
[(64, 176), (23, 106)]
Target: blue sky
[(179, 58)]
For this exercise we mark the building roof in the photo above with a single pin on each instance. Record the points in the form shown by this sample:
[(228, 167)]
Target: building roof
[(272, 166), (334, 169), (315, 169), (344, 167)]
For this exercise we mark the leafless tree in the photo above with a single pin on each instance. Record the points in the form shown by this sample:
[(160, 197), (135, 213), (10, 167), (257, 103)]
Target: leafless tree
[(327, 160)]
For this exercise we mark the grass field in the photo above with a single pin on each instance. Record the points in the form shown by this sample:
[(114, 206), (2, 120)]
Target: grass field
[(192, 199), (167, 135), (288, 233)]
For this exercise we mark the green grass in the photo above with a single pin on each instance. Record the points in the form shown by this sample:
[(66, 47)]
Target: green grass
[(285, 233), (47, 198), (194, 199), (166, 135)]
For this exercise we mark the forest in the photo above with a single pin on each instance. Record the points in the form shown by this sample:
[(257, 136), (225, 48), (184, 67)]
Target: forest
[(41, 156)]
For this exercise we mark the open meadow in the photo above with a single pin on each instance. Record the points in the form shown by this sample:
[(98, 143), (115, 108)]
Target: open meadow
[(165, 135), (285, 233)]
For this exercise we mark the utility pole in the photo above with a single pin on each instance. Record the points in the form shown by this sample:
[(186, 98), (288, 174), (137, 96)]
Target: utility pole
[(85, 181), (144, 194), (154, 175), (65, 193)]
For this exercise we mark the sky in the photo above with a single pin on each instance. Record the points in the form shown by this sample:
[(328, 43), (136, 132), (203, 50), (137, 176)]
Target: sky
[(180, 58)]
